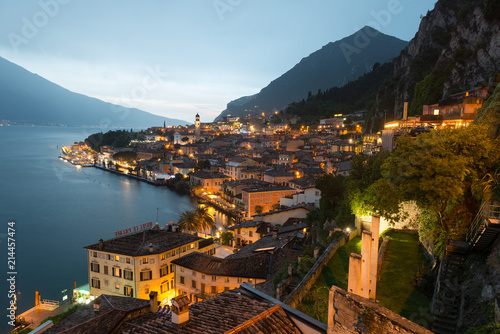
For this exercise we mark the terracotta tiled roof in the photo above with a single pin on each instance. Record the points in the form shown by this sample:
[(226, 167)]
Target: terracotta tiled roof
[(112, 312), (138, 244), (252, 266), (228, 312)]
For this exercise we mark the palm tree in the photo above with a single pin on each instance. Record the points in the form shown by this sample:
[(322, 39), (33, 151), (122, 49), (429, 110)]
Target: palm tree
[(188, 222), (196, 220), (206, 220)]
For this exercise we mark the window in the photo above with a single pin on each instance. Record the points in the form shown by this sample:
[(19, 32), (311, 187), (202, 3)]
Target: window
[(202, 288), (164, 287), (117, 272), (173, 253), (213, 289), (145, 260), (94, 267), (146, 275), (128, 291), (95, 283), (240, 280), (226, 288), (250, 234), (181, 279), (146, 290), (117, 258), (127, 260), (202, 276), (227, 279), (163, 256), (171, 268), (238, 231), (108, 257), (94, 254), (250, 280), (181, 269), (183, 249), (106, 270), (163, 271), (214, 278), (128, 275), (117, 286), (192, 246), (193, 284)]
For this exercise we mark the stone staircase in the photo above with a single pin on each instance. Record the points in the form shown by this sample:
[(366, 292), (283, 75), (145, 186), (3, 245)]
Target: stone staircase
[(448, 297)]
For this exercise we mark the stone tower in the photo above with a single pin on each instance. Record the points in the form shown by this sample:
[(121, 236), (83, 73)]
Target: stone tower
[(197, 128)]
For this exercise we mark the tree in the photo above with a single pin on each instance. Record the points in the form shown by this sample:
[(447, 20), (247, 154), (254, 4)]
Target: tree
[(125, 156), (226, 237), (440, 170), (202, 164), (258, 209), (185, 139), (196, 220), (205, 218)]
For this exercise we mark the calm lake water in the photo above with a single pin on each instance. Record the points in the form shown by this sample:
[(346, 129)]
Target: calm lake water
[(59, 209)]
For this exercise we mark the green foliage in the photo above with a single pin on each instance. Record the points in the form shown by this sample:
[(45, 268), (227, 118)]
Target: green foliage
[(354, 96), (487, 329), (430, 89), (58, 317), (202, 164), (196, 220), (125, 156), (305, 265), (259, 209), (464, 10), (119, 138), (226, 237), (440, 169)]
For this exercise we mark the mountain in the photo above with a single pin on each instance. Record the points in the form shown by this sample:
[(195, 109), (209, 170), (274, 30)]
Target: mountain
[(455, 49), (334, 65), (28, 98)]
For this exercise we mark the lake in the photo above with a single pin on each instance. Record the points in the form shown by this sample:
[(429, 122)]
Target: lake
[(58, 209)]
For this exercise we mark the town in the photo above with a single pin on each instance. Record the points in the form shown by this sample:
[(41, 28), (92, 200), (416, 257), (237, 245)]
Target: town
[(288, 190)]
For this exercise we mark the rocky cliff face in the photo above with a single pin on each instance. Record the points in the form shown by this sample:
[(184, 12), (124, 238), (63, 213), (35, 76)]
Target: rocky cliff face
[(456, 48)]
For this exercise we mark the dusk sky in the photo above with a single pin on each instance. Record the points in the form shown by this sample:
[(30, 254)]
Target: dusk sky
[(177, 58)]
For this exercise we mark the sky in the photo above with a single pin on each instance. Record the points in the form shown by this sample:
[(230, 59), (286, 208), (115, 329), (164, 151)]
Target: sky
[(176, 58)]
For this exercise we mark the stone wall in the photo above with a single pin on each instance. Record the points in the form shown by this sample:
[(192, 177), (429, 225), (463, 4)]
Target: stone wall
[(350, 313), (409, 212), (312, 275)]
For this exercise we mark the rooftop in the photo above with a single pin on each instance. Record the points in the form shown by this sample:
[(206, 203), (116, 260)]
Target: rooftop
[(138, 244), (252, 266)]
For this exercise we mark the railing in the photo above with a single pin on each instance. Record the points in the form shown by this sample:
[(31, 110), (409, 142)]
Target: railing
[(49, 304), (493, 211), (478, 222)]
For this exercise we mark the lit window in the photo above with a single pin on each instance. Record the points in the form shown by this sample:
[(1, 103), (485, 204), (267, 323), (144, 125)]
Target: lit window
[(163, 256), (250, 280), (127, 260), (117, 272), (145, 260), (163, 271), (227, 279), (146, 290), (117, 286), (128, 291), (117, 258), (164, 287)]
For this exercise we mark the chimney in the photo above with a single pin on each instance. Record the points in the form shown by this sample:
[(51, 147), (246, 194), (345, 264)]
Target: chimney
[(275, 233), (97, 305), (151, 247), (180, 309), (153, 301), (101, 244)]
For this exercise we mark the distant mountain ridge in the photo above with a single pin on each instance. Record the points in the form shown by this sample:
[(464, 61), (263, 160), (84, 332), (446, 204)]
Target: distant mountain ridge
[(334, 65), (28, 98)]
